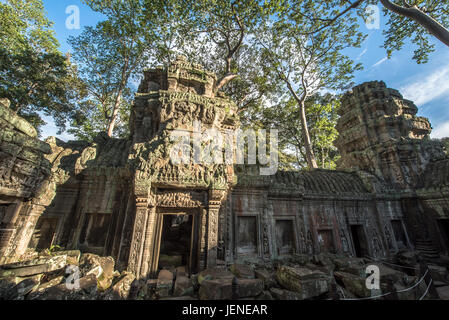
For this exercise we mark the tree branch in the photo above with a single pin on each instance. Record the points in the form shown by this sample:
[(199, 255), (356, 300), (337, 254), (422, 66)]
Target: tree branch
[(426, 21)]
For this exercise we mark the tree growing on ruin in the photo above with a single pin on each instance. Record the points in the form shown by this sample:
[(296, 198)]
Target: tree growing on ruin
[(307, 62), (108, 55), (322, 118)]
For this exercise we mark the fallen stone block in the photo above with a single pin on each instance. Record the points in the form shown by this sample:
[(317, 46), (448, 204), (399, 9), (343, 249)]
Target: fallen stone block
[(164, 283), (36, 294), (354, 284), (183, 286), (267, 277), (122, 288), (221, 289), (355, 266), (33, 267), (23, 287), (214, 273), (443, 293), (243, 271)]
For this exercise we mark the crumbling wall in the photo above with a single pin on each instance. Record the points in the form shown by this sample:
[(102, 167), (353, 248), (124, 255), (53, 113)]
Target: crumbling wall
[(24, 173)]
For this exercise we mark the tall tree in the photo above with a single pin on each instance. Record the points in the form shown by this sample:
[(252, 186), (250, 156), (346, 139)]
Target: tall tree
[(307, 62), (108, 56), (25, 26), (34, 75), (322, 117)]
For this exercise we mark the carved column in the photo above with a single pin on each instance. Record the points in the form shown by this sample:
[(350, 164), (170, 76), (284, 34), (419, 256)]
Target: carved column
[(203, 238), (212, 234), (136, 250), (149, 266), (215, 198)]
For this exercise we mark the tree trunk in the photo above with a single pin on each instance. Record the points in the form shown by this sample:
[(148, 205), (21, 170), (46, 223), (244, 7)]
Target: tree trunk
[(115, 113), (310, 156), (426, 21)]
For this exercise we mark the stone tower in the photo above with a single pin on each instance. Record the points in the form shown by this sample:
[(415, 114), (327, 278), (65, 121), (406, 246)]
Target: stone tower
[(380, 133), (169, 99)]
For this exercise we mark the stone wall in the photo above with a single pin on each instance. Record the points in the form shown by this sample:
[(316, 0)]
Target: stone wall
[(113, 196)]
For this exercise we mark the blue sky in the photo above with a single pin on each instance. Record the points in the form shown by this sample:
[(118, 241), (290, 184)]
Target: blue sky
[(427, 85)]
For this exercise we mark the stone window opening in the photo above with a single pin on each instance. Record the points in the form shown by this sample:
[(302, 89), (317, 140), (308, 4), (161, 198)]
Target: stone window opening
[(247, 235), (285, 237), (359, 241)]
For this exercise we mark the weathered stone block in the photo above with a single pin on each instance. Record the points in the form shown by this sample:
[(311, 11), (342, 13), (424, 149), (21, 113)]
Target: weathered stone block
[(164, 283), (214, 273), (354, 284), (243, 271), (183, 286)]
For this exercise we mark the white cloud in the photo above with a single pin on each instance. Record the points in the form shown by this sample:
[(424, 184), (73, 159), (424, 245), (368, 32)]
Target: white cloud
[(378, 63), (441, 131), (426, 88), (362, 54)]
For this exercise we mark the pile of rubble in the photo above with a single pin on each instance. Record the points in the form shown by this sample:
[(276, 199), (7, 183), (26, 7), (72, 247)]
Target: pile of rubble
[(70, 275), (64, 275)]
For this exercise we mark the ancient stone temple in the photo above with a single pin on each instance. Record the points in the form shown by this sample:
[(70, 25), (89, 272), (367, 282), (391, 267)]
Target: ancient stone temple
[(126, 198)]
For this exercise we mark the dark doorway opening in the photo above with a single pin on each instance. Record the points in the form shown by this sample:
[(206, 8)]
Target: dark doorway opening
[(444, 229), (176, 242), (326, 240), (399, 233), (285, 237), (359, 240), (44, 233)]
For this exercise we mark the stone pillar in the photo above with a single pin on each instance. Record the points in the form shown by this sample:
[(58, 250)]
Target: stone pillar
[(137, 242), (23, 239), (215, 200), (8, 226), (149, 261), (203, 238), (212, 234)]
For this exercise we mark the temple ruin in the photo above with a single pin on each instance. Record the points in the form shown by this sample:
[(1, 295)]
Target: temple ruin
[(126, 199)]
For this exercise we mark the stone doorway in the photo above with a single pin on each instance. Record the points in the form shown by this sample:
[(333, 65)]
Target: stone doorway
[(44, 233), (399, 233), (178, 241), (359, 241), (443, 225)]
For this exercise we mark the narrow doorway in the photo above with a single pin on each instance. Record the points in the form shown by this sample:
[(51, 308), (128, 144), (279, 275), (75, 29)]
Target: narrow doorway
[(399, 233), (444, 229), (176, 242), (359, 240)]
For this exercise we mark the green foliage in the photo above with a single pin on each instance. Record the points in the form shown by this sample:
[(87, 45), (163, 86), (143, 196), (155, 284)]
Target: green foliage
[(53, 248), (302, 55), (24, 26), (402, 29), (34, 75), (322, 114), (37, 82), (109, 56)]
